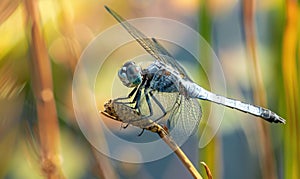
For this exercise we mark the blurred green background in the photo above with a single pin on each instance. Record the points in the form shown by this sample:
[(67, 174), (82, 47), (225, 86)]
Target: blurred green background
[(240, 32)]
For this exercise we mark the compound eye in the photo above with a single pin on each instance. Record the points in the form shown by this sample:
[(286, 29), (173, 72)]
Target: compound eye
[(133, 70), (130, 74), (123, 77)]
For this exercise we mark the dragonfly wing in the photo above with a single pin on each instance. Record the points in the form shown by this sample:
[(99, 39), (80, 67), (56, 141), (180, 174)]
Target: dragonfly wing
[(167, 100), (184, 119), (142, 39), (152, 46), (167, 58)]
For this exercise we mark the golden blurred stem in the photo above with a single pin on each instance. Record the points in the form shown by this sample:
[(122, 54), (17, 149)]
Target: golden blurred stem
[(66, 28), (42, 88), (249, 9), (290, 76), (211, 153), (104, 167), (267, 154)]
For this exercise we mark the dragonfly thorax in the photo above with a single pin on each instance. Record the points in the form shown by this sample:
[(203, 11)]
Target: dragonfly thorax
[(130, 74)]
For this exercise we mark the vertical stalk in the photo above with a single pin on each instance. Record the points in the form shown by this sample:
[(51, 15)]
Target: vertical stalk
[(290, 76), (73, 48), (43, 91), (267, 154), (104, 167), (211, 153)]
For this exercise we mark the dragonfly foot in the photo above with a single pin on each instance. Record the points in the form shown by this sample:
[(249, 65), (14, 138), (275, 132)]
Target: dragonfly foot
[(124, 126), (141, 132)]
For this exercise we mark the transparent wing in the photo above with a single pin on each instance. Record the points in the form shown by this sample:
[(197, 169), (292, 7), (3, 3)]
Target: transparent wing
[(152, 46), (169, 59), (167, 100), (184, 119)]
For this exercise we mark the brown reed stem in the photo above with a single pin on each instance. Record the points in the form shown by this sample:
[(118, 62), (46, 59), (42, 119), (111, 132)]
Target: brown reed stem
[(267, 154), (7, 8), (180, 154), (208, 172), (43, 91)]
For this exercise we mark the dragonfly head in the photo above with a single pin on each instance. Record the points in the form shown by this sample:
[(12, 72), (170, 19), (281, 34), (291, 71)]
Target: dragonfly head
[(130, 74)]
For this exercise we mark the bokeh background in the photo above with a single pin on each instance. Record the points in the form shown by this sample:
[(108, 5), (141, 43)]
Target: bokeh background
[(257, 43)]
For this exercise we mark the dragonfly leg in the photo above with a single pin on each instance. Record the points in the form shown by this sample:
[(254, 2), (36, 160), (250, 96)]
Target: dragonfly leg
[(150, 106), (138, 96), (137, 100), (128, 96), (136, 90), (141, 132), (151, 110), (124, 127), (159, 105)]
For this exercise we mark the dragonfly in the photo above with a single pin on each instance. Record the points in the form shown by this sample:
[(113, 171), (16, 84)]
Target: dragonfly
[(166, 85)]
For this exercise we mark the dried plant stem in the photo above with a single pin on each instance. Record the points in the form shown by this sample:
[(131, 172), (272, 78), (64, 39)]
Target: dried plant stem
[(290, 79), (110, 112), (180, 154), (208, 172), (43, 91), (267, 155)]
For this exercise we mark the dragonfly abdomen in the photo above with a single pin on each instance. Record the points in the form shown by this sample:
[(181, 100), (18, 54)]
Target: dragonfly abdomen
[(195, 91)]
